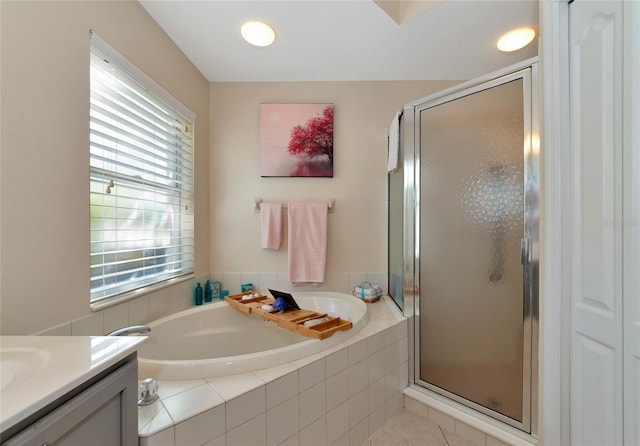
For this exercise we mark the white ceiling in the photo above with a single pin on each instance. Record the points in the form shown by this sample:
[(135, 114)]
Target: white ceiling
[(345, 40)]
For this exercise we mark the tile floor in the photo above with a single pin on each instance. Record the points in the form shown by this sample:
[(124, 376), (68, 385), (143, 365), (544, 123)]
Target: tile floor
[(410, 429)]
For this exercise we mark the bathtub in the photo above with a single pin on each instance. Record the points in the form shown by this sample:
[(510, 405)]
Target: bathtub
[(217, 340)]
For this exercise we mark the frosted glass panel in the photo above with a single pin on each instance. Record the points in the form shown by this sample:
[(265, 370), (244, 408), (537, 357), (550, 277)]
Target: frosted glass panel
[(396, 233), (471, 225)]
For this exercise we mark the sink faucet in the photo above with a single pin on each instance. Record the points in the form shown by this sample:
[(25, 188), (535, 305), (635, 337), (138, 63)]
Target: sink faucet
[(130, 330)]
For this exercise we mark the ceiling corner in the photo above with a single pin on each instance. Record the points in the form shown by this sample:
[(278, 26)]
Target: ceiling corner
[(401, 11)]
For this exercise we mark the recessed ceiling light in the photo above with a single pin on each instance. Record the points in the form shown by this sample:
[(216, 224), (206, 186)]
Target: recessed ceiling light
[(258, 33), (516, 39)]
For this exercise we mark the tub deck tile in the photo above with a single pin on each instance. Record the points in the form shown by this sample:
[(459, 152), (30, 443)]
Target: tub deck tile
[(167, 389), (192, 402), (276, 372), (309, 359), (230, 387), (153, 419)]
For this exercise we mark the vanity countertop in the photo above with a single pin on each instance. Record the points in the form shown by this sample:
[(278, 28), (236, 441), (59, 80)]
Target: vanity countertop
[(37, 370)]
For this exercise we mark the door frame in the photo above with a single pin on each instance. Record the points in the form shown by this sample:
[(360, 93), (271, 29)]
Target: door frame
[(528, 71), (554, 392)]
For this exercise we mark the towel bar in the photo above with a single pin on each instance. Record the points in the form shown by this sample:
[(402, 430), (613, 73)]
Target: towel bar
[(330, 204)]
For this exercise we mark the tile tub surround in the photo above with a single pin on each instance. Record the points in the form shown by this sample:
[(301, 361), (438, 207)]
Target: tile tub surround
[(338, 396), (334, 281), (178, 297)]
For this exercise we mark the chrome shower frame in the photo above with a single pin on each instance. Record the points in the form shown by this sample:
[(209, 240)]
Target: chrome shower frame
[(410, 126)]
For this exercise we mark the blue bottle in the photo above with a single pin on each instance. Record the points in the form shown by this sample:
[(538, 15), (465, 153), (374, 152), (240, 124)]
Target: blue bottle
[(207, 292), (197, 294)]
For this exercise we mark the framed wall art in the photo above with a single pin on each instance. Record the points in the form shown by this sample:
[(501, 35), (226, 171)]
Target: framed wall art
[(296, 140)]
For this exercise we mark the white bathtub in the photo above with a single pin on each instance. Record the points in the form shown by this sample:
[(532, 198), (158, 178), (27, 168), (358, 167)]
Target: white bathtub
[(217, 340)]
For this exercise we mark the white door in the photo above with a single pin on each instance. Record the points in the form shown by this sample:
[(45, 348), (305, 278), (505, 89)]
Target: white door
[(631, 222), (595, 32)]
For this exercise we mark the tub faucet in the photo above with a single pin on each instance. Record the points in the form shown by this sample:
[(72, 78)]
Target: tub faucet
[(130, 330)]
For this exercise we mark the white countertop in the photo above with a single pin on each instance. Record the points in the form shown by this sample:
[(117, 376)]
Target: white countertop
[(37, 370)]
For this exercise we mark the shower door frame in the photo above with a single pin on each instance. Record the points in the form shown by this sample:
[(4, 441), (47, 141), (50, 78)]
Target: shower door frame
[(411, 126)]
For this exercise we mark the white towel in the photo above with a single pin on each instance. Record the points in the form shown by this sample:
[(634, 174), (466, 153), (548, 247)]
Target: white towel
[(307, 242), (372, 290), (393, 143), (271, 225)]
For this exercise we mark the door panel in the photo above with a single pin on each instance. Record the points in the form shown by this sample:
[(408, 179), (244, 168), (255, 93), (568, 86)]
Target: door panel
[(474, 336), (631, 219), (595, 100)]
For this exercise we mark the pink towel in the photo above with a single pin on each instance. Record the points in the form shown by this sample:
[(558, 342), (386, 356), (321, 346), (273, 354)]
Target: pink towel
[(307, 242), (271, 225)]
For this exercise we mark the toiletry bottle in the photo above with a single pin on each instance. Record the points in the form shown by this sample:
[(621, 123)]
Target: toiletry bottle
[(207, 291), (197, 294)]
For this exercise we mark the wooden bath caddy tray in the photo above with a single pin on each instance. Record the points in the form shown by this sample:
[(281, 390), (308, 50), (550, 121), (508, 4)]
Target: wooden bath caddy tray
[(292, 320)]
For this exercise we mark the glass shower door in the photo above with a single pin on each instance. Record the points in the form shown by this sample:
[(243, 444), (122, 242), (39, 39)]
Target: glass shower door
[(474, 335)]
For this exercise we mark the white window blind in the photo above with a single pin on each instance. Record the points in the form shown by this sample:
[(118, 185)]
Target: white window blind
[(141, 185)]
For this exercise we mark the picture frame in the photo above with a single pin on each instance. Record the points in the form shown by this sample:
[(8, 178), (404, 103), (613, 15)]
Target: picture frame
[(296, 140)]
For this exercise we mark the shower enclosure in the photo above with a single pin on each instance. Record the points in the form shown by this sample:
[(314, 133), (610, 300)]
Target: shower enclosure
[(463, 242)]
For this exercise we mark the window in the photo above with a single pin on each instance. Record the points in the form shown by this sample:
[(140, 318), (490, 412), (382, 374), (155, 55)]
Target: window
[(141, 185)]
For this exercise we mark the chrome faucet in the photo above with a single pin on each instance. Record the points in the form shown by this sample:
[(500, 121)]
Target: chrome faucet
[(130, 330)]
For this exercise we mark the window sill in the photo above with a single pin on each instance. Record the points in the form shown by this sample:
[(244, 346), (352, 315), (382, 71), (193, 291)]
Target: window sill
[(130, 295)]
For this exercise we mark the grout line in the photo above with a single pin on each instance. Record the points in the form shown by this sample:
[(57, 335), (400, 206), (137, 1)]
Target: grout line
[(443, 435)]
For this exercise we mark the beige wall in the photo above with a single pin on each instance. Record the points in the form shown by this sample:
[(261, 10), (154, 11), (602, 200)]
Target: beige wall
[(44, 274), (357, 229), (44, 143)]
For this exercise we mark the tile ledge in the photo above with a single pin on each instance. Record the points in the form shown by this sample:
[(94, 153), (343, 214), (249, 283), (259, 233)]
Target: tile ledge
[(293, 365), (397, 313), (488, 427)]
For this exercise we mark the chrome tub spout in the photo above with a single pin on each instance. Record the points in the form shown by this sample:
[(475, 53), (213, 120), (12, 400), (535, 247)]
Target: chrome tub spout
[(130, 330)]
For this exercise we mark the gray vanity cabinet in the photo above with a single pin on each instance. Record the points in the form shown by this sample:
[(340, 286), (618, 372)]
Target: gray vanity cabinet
[(103, 414)]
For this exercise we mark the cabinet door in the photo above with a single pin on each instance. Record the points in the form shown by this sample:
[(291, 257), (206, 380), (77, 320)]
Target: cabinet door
[(103, 415), (596, 143)]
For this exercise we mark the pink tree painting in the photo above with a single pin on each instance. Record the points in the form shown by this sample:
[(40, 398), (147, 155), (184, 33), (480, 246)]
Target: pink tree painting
[(296, 140)]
